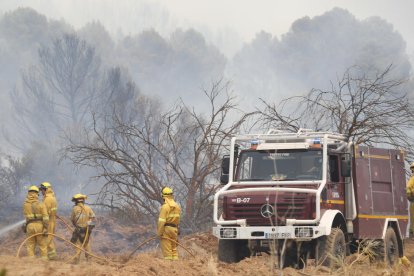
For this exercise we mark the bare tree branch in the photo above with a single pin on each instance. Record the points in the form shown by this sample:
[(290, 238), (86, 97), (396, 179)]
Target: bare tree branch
[(139, 154), (368, 110)]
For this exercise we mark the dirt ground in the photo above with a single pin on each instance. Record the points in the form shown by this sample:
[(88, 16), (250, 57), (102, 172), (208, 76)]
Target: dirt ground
[(198, 256)]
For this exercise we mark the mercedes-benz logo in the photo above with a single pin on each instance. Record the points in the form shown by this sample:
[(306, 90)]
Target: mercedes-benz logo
[(266, 210)]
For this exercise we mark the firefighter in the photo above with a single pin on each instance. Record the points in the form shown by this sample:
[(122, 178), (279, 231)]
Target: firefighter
[(167, 228), (82, 218), (49, 200), (410, 197), (37, 221)]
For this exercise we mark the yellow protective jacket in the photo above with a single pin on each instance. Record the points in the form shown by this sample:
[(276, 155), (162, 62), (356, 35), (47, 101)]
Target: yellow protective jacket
[(410, 189), (81, 214), (51, 204), (169, 214), (35, 211)]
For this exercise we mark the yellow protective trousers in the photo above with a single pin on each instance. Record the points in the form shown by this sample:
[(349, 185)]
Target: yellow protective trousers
[(51, 249), (35, 228), (168, 247), (86, 246), (411, 229)]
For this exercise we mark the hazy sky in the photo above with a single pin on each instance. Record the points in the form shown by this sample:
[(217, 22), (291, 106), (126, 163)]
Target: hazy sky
[(245, 17), (276, 16)]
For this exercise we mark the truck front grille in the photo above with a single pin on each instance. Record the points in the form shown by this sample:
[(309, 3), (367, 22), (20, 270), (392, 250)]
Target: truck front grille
[(282, 207)]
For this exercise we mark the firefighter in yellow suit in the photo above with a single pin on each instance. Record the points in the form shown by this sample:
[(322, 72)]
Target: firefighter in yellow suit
[(82, 218), (410, 197), (37, 221), (167, 228), (49, 200)]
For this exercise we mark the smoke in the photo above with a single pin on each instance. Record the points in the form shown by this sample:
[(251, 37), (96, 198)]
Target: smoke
[(173, 64), (315, 53), (10, 227)]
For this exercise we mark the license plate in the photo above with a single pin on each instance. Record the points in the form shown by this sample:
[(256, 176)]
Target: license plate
[(278, 235)]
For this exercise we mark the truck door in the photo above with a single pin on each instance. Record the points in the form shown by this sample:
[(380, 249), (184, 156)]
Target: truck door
[(333, 197)]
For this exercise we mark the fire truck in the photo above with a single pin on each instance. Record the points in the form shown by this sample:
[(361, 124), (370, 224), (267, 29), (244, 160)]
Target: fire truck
[(309, 195)]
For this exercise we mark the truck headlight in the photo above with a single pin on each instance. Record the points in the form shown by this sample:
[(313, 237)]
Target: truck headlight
[(303, 232), (228, 233)]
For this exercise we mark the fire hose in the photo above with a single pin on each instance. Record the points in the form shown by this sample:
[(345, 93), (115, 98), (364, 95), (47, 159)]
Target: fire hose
[(71, 229), (83, 245), (153, 238), (65, 223), (85, 239), (93, 255), (65, 240)]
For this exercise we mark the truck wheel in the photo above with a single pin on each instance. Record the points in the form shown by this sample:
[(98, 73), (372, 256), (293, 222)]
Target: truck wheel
[(295, 255), (389, 248), (331, 250), (233, 251)]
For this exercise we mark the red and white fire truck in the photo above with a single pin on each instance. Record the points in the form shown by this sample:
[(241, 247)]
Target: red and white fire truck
[(309, 195)]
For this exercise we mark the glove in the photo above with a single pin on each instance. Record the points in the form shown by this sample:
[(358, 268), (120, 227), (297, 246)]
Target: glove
[(91, 225), (24, 227), (45, 233)]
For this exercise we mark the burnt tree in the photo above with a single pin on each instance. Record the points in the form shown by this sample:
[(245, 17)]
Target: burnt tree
[(145, 149), (370, 109)]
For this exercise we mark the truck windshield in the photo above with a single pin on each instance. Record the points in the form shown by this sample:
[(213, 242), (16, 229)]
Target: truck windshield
[(279, 165)]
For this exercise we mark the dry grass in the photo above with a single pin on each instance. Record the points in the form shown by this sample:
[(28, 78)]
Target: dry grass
[(204, 247), (366, 261), (212, 265)]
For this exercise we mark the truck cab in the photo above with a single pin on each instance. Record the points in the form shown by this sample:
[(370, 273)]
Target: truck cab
[(309, 195)]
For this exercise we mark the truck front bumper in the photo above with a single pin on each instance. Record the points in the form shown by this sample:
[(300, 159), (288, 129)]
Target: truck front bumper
[(301, 233)]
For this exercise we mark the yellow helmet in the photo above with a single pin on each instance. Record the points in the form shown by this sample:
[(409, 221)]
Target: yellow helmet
[(33, 189), (412, 166), (166, 191), (79, 197), (45, 185)]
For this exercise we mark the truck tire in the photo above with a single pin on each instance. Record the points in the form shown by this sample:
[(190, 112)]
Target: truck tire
[(295, 255), (331, 250), (389, 249), (233, 251)]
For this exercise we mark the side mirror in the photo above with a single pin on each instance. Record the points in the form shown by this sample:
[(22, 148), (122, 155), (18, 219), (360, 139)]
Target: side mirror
[(345, 168), (225, 168), (225, 164), (224, 179)]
